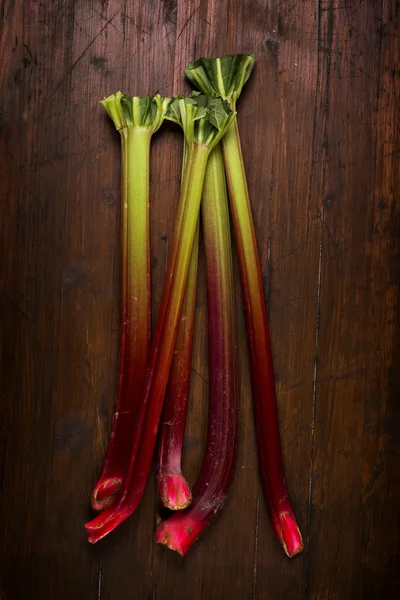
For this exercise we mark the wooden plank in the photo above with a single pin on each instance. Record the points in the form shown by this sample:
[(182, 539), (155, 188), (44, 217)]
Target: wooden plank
[(88, 347), (380, 555), (46, 433), (349, 46)]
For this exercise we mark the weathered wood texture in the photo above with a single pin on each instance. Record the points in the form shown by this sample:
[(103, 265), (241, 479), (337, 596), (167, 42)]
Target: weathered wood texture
[(320, 131)]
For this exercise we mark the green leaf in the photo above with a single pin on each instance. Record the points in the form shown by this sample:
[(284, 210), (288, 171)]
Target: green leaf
[(203, 119), (201, 99), (173, 112), (224, 76), (200, 113), (146, 111), (217, 110), (112, 106)]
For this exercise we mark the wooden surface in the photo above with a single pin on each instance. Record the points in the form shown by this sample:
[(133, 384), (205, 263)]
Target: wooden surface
[(320, 130)]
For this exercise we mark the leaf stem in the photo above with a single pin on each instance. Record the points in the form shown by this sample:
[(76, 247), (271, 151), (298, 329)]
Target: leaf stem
[(173, 488), (135, 308), (264, 396)]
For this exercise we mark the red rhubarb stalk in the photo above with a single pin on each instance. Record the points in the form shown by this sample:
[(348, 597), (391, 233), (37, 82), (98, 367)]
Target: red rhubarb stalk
[(210, 492), (225, 77), (136, 119), (173, 488), (203, 127)]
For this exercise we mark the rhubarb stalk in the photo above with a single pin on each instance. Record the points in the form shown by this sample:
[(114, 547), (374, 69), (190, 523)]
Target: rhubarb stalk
[(173, 488), (210, 492), (204, 122), (136, 119), (225, 77)]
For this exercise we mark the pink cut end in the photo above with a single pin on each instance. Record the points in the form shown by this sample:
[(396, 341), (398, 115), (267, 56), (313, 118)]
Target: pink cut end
[(289, 534), (104, 495), (179, 532), (175, 492)]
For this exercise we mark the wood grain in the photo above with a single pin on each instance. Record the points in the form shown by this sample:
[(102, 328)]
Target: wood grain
[(319, 122)]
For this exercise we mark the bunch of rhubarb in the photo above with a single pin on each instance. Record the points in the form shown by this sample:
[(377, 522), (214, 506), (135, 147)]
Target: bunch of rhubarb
[(154, 377)]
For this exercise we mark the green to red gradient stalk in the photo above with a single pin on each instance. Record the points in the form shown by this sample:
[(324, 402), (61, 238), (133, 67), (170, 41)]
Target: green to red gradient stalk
[(210, 492), (225, 77), (173, 488), (263, 385), (136, 119), (203, 127)]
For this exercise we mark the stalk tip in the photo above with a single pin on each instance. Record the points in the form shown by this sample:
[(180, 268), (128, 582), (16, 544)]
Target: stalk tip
[(179, 532), (174, 491), (289, 534), (103, 495)]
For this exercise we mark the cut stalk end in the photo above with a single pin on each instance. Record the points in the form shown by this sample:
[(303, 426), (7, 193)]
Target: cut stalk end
[(289, 534), (174, 491), (104, 494), (178, 534)]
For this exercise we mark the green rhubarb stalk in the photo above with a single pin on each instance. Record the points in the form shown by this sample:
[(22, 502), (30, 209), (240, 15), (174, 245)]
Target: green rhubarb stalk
[(136, 119), (225, 77), (204, 121)]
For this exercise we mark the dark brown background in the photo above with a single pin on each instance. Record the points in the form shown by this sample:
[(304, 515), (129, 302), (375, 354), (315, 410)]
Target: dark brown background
[(320, 131)]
